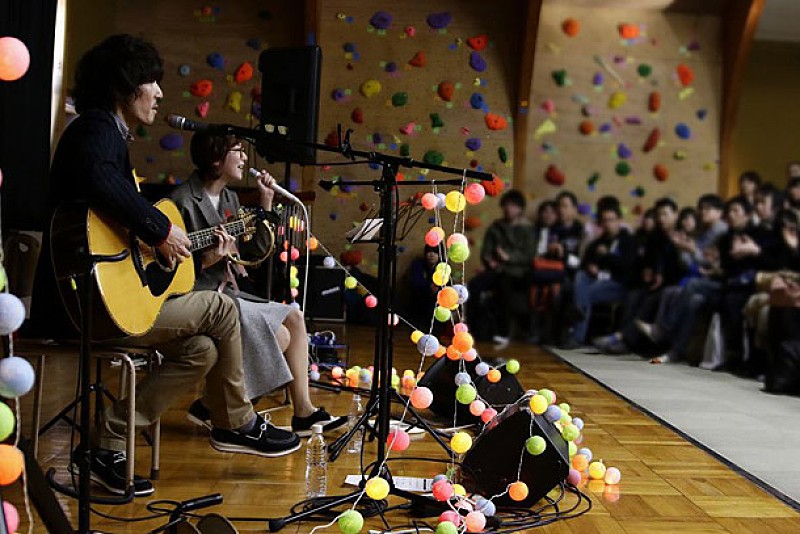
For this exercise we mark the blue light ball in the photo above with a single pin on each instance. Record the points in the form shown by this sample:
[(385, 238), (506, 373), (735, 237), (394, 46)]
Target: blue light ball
[(314, 375), (577, 421), (553, 413), (462, 378), (16, 377), (586, 452), (482, 369), (441, 201), (427, 345), (12, 313), (439, 477), (463, 293), (485, 506)]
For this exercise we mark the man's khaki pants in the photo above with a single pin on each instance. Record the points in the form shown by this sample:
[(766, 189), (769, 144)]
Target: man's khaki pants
[(199, 336)]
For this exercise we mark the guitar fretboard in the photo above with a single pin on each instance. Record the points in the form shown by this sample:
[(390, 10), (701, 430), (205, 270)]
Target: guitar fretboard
[(205, 238)]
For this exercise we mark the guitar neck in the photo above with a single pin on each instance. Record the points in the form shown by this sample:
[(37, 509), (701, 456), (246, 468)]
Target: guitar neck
[(202, 239)]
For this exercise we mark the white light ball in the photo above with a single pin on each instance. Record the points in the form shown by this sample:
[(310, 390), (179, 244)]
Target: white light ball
[(12, 313), (329, 262), (16, 377)]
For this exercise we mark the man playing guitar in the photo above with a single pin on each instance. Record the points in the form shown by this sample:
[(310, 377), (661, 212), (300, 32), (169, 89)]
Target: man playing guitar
[(116, 91)]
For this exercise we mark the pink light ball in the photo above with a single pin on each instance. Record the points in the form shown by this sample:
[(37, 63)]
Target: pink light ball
[(460, 327), (460, 239), (475, 522), (14, 59), (574, 477), (284, 257), (612, 476), (470, 355), (443, 490), (398, 440), (451, 516), (488, 414), (295, 253), (474, 193), (429, 201), (434, 236), (421, 397), (370, 301), (477, 407), (337, 372), (11, 515)]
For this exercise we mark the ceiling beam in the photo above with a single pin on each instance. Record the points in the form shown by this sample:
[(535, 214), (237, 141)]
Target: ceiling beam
[(739, 24), (522, 105)]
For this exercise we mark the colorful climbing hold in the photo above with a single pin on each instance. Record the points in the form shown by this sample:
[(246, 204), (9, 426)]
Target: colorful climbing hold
[(478, 42), (502, 153), (439, 21), (560, 77), (370, 88), (661, 172), (184, 70), (555, 176), (617, 99), (495, 121), (171, 141), (685, 75), (419, 59), (571, 27), (357, 115), (215, 60), (586, 127), (628, 31), (234, 101), (399, 99), (201, 88), (445, 90), (473, 144), (644, 70), (679, 155), (623, 168), (623, 152), (654, 102), (243, 73), (202, 109), (477, 62), (683, 131), (652, 140), (546, 127), (381, 20), (433, 157), (476, 101), (436, 121)]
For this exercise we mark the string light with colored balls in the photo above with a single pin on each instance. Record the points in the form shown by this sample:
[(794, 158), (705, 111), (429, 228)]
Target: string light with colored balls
[(475, 521), (442, 490), (6, 421), (466, 393), (434, 236), (455, 202), (493, 376), (518, 491), (535, 445), (597, 470), (512, 366), (350, 522), (11, 464), (398, 440), (421, 397), (538, 404), (446, 527), (450, 516), (477, 408), (14, 59)]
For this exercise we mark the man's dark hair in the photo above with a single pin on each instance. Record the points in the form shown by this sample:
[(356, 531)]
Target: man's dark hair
[(112, 71), (207, 149), (740, 201), (567, 194), (551, 204), (608, 203), (512, 196), (750, 176), (710, 200), (665, 202), (768, 189)]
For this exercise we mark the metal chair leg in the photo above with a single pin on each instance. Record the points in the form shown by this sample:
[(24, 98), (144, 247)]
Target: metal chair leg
[(130, 441), (155, 458), (37, 404)]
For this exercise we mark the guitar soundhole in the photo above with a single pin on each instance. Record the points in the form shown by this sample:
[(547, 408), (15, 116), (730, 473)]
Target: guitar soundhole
[(158, 280)]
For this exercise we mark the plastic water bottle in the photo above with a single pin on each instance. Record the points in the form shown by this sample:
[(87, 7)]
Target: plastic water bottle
[(316, 464), (356, 411)]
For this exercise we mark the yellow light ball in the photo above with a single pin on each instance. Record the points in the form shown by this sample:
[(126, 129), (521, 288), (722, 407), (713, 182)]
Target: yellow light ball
[(293, 272), (597, 470), (461, 442), (459, 490), (538, 404), (350, 282), (377, 488), (454, 201), (416, 335)]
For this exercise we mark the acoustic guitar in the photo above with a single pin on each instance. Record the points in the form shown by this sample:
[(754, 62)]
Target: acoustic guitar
[(132, 291)]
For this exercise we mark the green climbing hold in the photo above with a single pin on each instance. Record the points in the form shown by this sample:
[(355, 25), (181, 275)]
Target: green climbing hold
[(503, 154), (141, 131), (644, 70), (560, 77), (433, 157), (405, 150), (436, 121), (593, 179), (623, 168), (399, 99)]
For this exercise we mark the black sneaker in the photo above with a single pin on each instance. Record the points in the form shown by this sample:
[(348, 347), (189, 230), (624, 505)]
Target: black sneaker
[(199, 415), (108, 469), (263, 440), (302, 425)]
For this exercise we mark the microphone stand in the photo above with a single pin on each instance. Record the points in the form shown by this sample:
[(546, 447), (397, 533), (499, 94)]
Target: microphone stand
[(382, 392)]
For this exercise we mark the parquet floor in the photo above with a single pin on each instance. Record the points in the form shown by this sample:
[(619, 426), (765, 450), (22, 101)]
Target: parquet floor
[(668, 484)]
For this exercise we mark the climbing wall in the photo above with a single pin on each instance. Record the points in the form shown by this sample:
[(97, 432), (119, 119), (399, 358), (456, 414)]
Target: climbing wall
[(431, 80), (625, 103), (211, 73)]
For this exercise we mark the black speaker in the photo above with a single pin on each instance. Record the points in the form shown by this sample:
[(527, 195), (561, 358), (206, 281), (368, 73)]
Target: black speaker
[(290, 102), (440, 378), (326, 292), (493, 462)]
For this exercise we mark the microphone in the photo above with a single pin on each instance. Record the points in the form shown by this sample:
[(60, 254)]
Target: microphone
[(180, 122), (275, 187), (200, 502)]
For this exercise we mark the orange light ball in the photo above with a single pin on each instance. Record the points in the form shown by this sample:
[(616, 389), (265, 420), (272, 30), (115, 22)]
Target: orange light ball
[(447, 297), (441, 351), (580, 462), (421, 397), (463, 341), (518, 491), (494, 376), (434, 236), (453, 353), (11, 464), (14, 59), (313, 243)]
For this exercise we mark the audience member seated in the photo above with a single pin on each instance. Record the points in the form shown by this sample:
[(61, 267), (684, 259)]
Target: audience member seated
[(507, 252), (606, 266), (769, 201), (749, 182), (659, 268), (548, 273)]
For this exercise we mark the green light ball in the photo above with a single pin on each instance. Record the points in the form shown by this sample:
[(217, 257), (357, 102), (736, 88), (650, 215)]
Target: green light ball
[(466, 393), (6, 421), (549, 395), (535, 445), (446, 527), (570, 432), (442, 314), (395, 381), (294, 282), (564, 407), (458, 252), (351, 522), (512, 366), (573, 449), (350, 282)]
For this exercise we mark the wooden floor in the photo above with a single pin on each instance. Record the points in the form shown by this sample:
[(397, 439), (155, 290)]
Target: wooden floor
[(668, 484)]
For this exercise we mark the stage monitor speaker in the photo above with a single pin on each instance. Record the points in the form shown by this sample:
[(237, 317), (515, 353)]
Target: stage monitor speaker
[(493, 462), (326, 292), (290, 99), (440, 378)]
